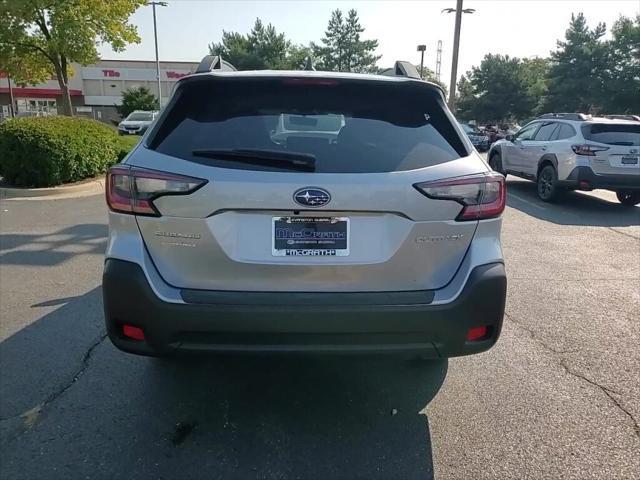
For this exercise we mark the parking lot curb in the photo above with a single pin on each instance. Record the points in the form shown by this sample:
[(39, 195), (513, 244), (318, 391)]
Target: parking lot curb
[(86, 188)]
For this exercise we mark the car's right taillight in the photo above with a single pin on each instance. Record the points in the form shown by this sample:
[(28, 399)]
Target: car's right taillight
[(482, 196), (133, 190)]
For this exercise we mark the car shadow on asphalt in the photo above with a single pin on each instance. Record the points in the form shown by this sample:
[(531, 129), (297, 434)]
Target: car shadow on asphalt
[(108, 414), (574, 208), (50, 249)]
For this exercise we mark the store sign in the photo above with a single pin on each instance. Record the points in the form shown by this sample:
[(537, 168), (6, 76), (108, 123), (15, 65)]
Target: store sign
[(140, 74), (111, 73)]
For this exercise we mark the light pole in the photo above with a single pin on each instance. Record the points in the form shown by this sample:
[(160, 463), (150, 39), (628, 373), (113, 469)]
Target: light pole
[(421, 49), (456, 47), (155, 35)]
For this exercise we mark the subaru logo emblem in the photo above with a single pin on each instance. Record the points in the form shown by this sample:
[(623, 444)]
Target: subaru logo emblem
[(311, 197)]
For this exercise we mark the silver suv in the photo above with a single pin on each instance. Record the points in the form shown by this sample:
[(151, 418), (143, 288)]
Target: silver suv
[(368, 223), (569, 151)]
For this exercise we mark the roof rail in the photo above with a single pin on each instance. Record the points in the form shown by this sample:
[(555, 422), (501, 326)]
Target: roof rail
[(214, 62), (623, 116), (402, 69), (566, 116)]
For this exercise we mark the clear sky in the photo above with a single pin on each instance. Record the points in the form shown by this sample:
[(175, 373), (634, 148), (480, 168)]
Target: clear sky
[(521, 28)]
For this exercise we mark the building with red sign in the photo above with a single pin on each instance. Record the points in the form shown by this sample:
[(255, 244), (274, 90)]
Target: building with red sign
[(95, 89)]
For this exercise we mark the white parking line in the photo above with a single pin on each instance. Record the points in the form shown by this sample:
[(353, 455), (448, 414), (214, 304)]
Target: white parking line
[(528, 202)]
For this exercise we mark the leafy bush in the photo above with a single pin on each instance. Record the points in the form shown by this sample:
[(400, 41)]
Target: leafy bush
[(127, 143), (48, 151)]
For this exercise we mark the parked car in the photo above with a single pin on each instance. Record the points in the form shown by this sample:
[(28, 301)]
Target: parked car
[(378, 232), (136, 122), (478, 139), (574, 152)]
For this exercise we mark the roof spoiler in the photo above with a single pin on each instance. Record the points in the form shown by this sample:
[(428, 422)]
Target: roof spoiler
[(214, 62), (402, 69)]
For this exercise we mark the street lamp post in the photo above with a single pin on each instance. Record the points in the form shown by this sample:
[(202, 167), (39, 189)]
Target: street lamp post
[(155, 35), (456, 48), (421, 49)]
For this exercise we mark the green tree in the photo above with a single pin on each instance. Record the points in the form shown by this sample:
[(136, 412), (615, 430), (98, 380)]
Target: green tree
[(576, 79), (497, 90), (137, 99), (622, 72), (263, 48), (343, 49), (535, 71), (40, 38)]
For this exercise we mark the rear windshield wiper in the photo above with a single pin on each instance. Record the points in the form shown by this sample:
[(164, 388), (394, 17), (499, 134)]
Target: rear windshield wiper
[(296, 161)]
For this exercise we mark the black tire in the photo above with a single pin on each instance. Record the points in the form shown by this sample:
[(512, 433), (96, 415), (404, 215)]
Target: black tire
[(628, 198), (547, 184), (495, 162)]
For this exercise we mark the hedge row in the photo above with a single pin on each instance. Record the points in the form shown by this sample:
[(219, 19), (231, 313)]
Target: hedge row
[(49, 151)]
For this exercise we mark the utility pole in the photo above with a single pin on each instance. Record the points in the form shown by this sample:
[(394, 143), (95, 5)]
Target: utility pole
[(155, 35), (421, 49), (456, 48), (13, 104)]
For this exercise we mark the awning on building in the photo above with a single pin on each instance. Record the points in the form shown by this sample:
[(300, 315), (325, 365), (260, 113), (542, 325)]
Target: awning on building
[(26, 92)]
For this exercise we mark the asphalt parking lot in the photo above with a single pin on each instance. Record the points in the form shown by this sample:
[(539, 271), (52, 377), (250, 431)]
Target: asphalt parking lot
[(558, 397)]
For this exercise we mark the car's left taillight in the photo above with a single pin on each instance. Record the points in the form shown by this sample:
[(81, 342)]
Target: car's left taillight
[(482, 196), (133, 190)]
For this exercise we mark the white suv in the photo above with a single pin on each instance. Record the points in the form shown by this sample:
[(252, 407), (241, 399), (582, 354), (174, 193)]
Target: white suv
[(573, 151)]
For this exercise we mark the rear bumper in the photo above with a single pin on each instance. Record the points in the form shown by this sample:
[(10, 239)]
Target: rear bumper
[(582, 174), (302, 322)]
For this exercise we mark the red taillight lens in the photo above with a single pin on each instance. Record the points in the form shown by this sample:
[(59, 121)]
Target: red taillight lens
[(482, 196), (132, 190), (587, 150), (134, 333)]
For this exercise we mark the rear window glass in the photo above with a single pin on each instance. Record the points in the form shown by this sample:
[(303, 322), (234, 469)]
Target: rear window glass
[(612, 134), (348, 126)]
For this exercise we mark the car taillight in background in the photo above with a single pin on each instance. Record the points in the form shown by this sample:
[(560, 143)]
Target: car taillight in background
[(587, 150), (482, 196), (132, 190)]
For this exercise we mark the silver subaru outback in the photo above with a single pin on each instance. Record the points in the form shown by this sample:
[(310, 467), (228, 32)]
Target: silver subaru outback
[(304, 211)]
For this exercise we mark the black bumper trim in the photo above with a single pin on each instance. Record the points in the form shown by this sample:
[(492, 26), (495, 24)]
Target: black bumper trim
[(607, 182), (319, 326), (210, 297)]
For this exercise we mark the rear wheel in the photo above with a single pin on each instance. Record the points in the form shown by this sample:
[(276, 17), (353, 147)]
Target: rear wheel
[(495, 162), (548, 188), (628, 198)]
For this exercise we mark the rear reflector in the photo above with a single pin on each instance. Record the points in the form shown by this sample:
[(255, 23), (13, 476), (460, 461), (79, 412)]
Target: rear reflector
[(477, 333), (482, 196), (134, 333), (132, 190)]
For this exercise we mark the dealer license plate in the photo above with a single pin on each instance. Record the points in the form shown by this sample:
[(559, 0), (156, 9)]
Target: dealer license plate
[(310, 236)]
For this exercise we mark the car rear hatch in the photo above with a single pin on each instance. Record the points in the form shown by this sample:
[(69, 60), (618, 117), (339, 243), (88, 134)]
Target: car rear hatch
[(616, 147), (335, 202)]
